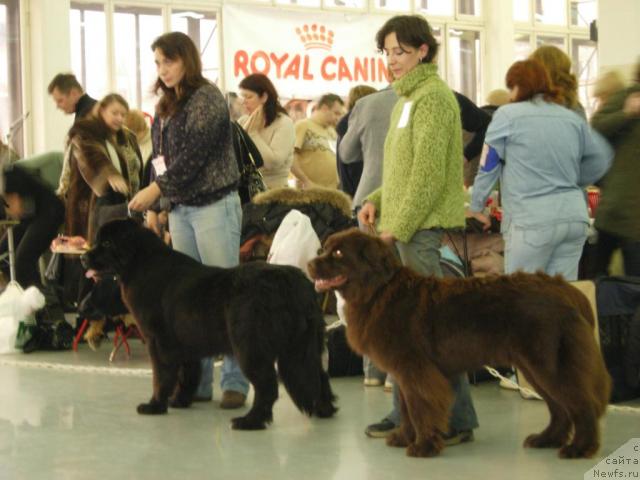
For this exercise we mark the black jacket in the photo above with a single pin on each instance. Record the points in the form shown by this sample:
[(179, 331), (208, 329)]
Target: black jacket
[(84, 106), (474, 120)]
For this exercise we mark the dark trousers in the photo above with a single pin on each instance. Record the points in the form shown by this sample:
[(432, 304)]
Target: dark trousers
[(32, 238), (607, 243)]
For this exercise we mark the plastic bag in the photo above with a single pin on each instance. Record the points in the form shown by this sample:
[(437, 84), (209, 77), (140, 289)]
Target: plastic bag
[(53, 273), (295, 242), (17, 316)]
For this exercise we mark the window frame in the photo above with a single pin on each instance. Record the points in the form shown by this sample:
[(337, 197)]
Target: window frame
[(166, 9), (133, 5), (15, 87), (481, 32), (568, 32), (533, 24)]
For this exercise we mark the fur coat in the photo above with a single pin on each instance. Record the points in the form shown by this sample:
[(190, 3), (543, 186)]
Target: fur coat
[(90, 167)]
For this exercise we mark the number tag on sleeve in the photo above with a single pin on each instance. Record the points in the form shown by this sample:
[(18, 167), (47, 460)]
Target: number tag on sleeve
[(159, 165)]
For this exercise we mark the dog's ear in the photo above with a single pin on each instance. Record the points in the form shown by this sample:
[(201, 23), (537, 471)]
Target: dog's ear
[(378, 254)]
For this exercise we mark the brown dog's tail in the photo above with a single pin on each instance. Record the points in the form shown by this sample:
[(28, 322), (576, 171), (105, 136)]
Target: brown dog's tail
[(581, 353), (582, 305)]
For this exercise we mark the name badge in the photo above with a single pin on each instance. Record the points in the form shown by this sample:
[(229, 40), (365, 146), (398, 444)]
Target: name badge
[(404, 117), (158, 165)]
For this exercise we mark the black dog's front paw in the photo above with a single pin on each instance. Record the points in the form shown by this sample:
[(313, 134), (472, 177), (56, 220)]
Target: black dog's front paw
[(180, 401), (152, 408), (248, 423)]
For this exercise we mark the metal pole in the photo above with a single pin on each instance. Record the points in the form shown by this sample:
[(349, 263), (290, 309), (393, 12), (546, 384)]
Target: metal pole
[(12, 259)]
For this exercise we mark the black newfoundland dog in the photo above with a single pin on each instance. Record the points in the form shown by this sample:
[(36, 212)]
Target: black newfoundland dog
[(424, 330), (186, 311)]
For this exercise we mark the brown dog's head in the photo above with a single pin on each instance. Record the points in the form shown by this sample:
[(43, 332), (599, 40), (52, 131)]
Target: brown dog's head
[(353, 262)]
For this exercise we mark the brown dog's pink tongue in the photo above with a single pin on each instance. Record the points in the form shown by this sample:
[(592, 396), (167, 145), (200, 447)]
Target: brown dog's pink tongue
[(90, 273)]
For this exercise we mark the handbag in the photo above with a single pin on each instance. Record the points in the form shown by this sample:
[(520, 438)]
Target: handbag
[(249, 160)]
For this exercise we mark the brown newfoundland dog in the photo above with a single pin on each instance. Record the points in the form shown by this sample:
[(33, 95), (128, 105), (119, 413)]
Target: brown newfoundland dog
[(425, 330), (260, 313)]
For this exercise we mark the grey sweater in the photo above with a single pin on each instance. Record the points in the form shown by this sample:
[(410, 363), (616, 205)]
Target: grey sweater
[(364, 140)]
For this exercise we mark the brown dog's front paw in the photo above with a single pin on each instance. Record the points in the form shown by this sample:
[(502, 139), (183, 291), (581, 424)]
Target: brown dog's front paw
[(152, 408), (575, 451), (397, 438), (537, 440), (424, 449)]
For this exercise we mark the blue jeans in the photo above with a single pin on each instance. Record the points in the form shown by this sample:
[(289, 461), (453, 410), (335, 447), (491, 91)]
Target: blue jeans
[(210, 234), (422, 254), (554, 249)]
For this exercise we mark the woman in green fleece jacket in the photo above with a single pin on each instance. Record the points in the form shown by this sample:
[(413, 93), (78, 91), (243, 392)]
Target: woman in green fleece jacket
[(421, 192)]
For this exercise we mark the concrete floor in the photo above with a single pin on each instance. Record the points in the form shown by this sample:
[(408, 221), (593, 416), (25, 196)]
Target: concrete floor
[(62, 423)]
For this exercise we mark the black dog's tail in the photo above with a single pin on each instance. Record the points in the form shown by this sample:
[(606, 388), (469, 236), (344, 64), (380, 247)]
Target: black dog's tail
[(301, 371)]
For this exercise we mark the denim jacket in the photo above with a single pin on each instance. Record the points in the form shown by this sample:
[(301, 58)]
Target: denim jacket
[(547, 154)]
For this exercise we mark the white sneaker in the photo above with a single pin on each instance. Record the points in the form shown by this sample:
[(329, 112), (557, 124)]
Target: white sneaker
[(510, 384), (372, 382), (388, 386)]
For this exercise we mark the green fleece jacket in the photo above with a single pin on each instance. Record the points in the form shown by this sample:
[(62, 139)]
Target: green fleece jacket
[(422, 166), (618, 212)]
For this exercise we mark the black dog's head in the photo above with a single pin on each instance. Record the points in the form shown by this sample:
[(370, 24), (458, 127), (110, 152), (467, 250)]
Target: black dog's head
[(117, 244), (354, 263)]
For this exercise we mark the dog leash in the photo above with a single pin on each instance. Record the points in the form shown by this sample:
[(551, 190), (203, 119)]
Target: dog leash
[(371, 229)]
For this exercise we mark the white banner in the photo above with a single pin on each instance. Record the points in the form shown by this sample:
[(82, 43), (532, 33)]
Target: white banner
[(304, 57)]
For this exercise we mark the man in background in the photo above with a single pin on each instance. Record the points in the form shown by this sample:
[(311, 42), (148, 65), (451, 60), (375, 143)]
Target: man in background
[(314, 158), (69, 96)]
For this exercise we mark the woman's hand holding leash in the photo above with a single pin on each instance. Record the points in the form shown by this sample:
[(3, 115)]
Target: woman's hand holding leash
[(145, 198)]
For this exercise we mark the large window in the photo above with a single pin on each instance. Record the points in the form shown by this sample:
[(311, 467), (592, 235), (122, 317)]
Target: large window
[(302, 3), (464, 62), (584, 55), (88, 38), (357, 4), (554, 40), (551, 12), (443, 8), (136, 28), (469, 7), (583, 12), (202, 27), (11, 117), (564, 24), (122, 61), (523, 46), (393, 5)]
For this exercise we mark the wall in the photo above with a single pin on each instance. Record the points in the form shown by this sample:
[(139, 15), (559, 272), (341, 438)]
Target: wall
[(618, 34)]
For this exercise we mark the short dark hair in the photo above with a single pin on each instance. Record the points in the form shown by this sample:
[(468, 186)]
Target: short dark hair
[(174, 46), (412, 30), (64, 82), (260, 84), (329, 99)]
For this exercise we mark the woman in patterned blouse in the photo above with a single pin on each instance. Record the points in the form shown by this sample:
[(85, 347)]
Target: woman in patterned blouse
[(196, 170)]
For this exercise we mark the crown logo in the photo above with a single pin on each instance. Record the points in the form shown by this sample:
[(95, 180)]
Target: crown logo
[(315, 36)]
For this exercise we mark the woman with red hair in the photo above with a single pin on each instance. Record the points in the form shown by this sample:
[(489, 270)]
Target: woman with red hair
[(543, 154)]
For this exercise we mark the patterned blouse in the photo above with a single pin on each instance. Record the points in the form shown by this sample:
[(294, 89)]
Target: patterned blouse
[(197, 148)]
